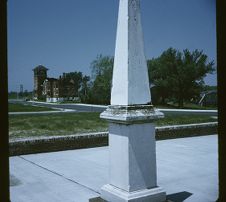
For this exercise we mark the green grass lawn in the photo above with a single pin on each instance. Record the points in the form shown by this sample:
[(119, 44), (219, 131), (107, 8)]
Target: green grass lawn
[(26, 108), (76, 123)]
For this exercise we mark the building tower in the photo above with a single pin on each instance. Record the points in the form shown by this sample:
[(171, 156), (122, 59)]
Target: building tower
[(40, 74)]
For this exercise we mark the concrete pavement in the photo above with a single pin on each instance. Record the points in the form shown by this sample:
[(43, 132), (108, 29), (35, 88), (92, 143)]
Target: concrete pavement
[(187, 170)]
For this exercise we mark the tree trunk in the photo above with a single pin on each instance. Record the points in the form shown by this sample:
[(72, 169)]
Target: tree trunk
[(181, 102), (163, 100)]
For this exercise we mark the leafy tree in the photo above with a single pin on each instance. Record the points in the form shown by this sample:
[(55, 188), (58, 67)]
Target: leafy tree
[(12, 95), (102, 68), (85, 89), (209, 88), (27, 94), (84, 85), (158, 78), (74, 83), (179, 75), (74, 78)]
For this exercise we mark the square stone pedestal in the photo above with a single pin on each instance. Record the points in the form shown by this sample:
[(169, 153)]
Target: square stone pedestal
[(132, 155)]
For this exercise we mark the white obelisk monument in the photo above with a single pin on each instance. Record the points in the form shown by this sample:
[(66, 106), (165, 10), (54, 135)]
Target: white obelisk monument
[(132, 172)]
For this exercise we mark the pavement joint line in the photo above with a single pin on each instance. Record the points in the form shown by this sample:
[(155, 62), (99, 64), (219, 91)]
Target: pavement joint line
[(58, 174)]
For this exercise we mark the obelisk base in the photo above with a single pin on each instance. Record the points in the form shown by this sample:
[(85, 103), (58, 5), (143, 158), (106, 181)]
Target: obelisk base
[(132, 155), (114, 194)]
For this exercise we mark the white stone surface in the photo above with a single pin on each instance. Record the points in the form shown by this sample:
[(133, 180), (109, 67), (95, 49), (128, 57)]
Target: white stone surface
[(146, 195), (130, 83), (132, 167), (132, 156), (131, 133), (131, 114)]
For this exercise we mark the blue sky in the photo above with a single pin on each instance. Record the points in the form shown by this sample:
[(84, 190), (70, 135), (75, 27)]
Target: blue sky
[(67, 35)]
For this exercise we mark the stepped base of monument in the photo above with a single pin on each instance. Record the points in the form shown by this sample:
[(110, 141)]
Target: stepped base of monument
[(111, 193)]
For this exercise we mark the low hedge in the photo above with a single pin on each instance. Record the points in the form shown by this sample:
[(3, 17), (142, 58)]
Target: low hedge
[(59, 143)]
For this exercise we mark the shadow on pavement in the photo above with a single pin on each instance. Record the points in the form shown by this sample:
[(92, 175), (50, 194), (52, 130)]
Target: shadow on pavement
[(178, 197)]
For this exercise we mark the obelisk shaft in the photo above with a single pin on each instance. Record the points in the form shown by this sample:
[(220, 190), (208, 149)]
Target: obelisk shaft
[(130, 84)]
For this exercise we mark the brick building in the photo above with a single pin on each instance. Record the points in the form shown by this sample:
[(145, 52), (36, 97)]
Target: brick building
[(40, 74), (52, 89)]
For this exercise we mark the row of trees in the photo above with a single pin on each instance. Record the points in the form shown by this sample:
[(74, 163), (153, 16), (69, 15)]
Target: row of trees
[(174, 76), (102, 68), (21, 95), (178, 76), (79, 82)]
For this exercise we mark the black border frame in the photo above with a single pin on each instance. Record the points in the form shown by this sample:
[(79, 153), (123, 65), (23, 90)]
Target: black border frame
[(221, 76)]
